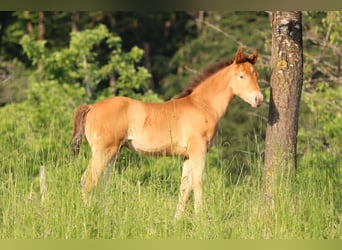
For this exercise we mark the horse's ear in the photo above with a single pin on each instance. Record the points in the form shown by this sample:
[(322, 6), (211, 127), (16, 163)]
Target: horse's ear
[(239, 56), (253, 58)]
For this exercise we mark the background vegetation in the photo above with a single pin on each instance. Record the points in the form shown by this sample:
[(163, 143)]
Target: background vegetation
[(50, 62)]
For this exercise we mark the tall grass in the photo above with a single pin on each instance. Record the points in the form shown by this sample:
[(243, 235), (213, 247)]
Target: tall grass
[(140, 199)]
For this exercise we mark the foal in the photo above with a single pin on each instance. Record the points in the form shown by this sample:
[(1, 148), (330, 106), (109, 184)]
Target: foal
[(184, 126)]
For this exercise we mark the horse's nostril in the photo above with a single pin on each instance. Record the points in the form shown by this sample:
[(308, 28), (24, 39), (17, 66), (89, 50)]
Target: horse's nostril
[(258, 99)]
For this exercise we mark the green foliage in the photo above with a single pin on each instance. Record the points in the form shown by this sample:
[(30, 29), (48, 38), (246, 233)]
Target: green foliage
[(330, 26), (31, 125), (35, 50), (324, 106), (83, 62), (130, 78), (13, 81), (50, 102), (322, 48)]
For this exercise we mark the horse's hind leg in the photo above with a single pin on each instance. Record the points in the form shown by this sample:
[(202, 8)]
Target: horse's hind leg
[(109, 168), (98, 162)]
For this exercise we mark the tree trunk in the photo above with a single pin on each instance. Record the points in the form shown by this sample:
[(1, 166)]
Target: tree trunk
[(112, 83), (41, 37), (4, 21), (147, 62), (200, 20), (75, 17), (41, 26), (86, 76), (286, 87), (29, 26)]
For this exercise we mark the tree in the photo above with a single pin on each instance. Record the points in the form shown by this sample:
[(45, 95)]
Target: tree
[(86, 61), (286, 87)]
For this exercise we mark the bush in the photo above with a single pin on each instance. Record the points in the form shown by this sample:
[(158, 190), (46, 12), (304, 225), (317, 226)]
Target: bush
[(93, 57), (40, 127), (321, 123)]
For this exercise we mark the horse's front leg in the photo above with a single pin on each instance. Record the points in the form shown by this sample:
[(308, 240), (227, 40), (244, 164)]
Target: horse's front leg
[(197, 182), (184, 189), (192, 180)]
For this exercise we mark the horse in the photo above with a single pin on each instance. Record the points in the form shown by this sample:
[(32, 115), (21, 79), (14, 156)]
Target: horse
[(184, 126)]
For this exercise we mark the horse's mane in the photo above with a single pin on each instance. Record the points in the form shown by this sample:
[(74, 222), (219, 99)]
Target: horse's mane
[(207, 73)]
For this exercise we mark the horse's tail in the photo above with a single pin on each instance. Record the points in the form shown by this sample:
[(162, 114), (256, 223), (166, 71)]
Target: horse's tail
[(78, 128)]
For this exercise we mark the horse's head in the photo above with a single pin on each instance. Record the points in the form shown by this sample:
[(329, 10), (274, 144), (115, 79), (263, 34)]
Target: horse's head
[(244, 78)]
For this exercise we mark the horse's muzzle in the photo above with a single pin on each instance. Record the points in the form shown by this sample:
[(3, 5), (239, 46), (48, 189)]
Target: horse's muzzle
[(255, 99)]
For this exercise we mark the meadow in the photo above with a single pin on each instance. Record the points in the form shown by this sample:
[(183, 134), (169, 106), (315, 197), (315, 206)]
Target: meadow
[(141, 197), (40, 193), (40, 187)]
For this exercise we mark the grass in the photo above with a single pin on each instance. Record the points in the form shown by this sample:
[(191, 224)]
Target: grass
[(140, 200)]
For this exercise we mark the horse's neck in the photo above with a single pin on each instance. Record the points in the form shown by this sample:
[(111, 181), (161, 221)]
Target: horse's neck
[(214, 93)]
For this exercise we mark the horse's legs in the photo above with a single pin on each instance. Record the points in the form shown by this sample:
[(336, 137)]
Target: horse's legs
[(197, 182), (185, 188), (100, 158), (109, 169), (192, 180)]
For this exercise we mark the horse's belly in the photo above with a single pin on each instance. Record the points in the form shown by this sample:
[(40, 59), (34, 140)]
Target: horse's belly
[(157, 146)]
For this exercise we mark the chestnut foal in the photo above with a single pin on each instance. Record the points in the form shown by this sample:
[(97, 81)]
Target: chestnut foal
[(184, 126)]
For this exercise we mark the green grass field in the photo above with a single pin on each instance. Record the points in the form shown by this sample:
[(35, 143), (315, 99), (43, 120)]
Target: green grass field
[(140, 200)]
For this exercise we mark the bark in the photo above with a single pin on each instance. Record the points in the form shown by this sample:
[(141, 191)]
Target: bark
[(147, 62), (112, 83), (3, 25), (41, 37), (29, 26), (200, 19), (75, 17), (41, 26), (286, 87), (86, 76)]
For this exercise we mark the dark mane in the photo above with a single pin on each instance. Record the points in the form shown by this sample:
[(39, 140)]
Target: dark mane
[(207, 73)]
